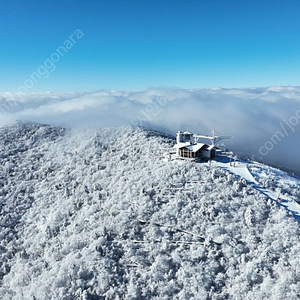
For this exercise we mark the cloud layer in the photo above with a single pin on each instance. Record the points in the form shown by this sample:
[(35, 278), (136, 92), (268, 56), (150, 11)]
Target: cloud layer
[(263, 121)]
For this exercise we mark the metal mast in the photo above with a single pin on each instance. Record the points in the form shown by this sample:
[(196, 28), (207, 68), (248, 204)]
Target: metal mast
[(213, 138)]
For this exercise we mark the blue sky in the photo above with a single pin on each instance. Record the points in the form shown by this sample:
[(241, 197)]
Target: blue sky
[(132, 44)]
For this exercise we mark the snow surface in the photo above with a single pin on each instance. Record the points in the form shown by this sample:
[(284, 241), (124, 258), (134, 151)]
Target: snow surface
[(264, 122), (98, 214), (244, 170)]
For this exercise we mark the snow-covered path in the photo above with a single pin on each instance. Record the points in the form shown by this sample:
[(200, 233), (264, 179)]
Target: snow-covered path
[(242, 169)]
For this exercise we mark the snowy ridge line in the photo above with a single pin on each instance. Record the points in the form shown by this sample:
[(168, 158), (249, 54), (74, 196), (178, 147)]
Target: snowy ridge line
[(242, 170), (290, 204)]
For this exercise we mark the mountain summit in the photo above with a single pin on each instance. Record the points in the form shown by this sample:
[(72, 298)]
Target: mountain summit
[(99, 214)]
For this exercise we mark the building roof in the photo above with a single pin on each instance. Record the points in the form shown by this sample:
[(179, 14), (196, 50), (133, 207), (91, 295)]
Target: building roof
[(191, 147), (196, 147), (210, 147), (181, 145)]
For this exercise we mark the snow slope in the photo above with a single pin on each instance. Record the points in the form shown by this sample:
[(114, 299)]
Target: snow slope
[(97, 214), (262, 182)]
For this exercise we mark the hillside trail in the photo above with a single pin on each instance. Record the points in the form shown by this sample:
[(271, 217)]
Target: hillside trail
[(243, 169)]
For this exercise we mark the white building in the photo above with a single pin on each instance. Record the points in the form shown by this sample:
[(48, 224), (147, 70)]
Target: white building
[(188, 147)]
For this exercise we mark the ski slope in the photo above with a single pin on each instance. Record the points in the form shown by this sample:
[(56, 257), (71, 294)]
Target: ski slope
[(244, 169)]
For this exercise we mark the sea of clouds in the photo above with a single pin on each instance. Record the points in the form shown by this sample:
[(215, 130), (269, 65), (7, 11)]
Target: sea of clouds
[(264, 122)]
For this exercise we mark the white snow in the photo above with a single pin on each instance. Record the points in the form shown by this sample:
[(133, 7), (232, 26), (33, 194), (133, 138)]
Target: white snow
[(242, 169), (98, 214), (263, 121)]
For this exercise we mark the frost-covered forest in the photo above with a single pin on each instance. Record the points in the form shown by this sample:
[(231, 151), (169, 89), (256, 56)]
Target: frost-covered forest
[(97, 214)]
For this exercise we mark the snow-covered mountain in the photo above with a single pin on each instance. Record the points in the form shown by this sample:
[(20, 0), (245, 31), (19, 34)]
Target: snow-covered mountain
[(264, 122), (98, 214)]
